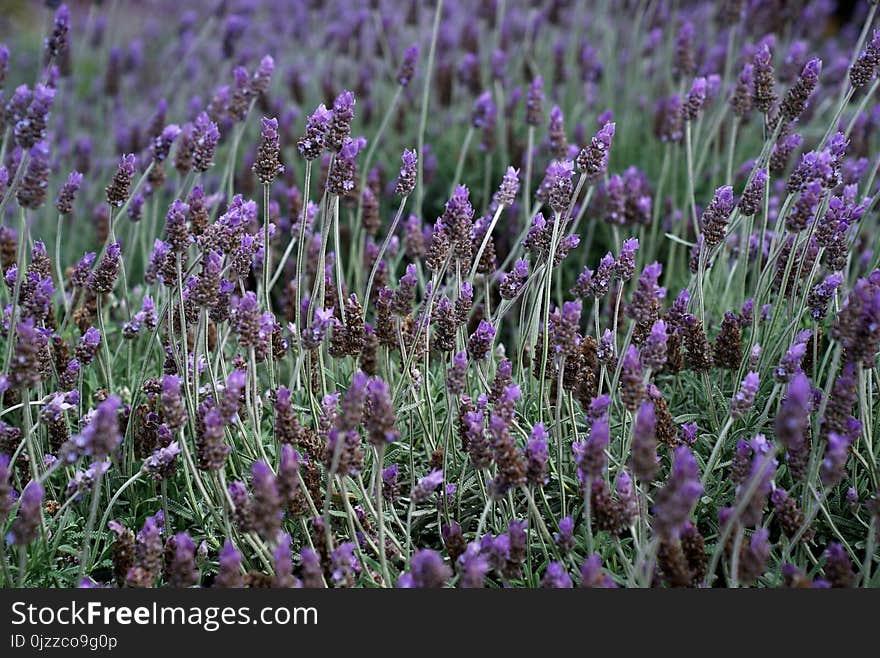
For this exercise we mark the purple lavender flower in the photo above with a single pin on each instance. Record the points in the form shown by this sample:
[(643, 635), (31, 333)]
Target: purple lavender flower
[(31, 192), (821, 294), (625, 265), (674, 502), (535, 101), (473, 566), (314, 335), (668, 119), (684, 63), (508, 189), (536, 456), (406, 181), (653, 353), (161, 464), (753, 195), (244, 319), (408, 65), (56, 43), (31, 343), (632, 388), (380, 420), (26, 527), (175, 226), (838, 568), (31, 128), (311, 144), (741, 99), (480, 342), (764, 85), (804, 208), (68, 192), (590, 454), (689, 433), (344, 565), (340, 122), (563, 329), (182, 570), (312, 573), (782, 151), (205, 136), (119, 188), (559, 184), (592, 161), (262, 76), (341, 179), (601, 279), (556, 134), (791, 361), (742, 402), (792, 422), (556, 577), (160, 146), (593, 576), (483, 111), (173, 408), (795, 101), (857, 326), (426, 570), (103, 278), (512, 282), (268, 164), (101, 436), (644, 443), (426, 486), (713, 222), (390, 487), (266, 504), (753, 559), (229, 562), (5, 489), (834, 463), (598, 409), (565, 537), (643, 305), (283, 564), (695, 100)]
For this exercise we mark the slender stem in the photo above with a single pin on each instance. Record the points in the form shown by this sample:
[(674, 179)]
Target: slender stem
[(380, 515), (16, 289), (462, 154), (870, 543), (337, 257), (267, 250), (423, 113), (385, 243), (527, 179), (298, 242), (485, 242), (689, 155)]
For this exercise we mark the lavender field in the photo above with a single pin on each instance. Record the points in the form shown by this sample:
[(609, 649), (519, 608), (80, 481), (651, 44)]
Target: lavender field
[(389, 293)]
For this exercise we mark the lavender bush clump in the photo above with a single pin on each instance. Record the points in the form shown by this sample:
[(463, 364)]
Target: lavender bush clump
[(397, 307)]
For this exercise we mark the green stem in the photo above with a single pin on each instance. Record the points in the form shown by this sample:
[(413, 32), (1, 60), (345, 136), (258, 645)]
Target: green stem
[(423, 114)]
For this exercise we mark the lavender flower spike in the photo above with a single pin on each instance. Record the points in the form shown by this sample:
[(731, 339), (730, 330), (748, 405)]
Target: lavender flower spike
[(713, 222), (644, 443), (592, 161), (26, 527), (745, 397)]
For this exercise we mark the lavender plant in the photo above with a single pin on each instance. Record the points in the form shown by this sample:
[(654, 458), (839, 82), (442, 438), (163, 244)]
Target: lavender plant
[(406, 294)]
